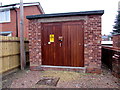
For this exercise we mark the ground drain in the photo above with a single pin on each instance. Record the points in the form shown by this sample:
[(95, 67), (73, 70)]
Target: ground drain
[(50, 81)]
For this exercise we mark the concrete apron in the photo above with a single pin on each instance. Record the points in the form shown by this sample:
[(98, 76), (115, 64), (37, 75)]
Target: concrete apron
[(64, 68)]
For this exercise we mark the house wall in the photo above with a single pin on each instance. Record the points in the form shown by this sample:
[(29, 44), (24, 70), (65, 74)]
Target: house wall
[(11, 26), (92, 42), (116, 40)]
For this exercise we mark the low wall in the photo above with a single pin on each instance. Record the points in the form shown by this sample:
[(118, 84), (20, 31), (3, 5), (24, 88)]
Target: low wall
[(10, 53)]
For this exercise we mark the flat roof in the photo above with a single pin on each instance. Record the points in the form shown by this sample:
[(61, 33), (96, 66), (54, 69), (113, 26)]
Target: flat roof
[(116, 34), (82, 13)]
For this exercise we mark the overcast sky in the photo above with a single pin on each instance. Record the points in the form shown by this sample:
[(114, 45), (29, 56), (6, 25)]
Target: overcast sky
[(60, 6)]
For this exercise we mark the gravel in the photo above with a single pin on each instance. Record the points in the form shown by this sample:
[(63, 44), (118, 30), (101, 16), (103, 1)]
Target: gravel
[(28, 79)]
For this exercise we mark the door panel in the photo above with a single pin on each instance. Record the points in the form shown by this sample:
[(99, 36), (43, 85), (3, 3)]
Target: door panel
[(51, 52), (73, 44), (67, 48)]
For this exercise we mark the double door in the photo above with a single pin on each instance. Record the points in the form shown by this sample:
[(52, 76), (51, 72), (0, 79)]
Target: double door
[(62, 44)]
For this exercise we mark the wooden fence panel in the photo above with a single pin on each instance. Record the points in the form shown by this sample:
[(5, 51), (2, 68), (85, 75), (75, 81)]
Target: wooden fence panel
[(10, 53), (111, 57)]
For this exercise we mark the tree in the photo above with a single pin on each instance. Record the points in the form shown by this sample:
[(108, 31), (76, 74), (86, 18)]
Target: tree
[(117, 24)]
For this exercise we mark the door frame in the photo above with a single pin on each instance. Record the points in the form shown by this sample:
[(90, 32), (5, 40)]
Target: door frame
[(61, 23)]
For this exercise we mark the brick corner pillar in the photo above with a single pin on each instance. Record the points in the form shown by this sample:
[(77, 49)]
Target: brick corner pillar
[(116, 40), (35, 44), (92, 44)]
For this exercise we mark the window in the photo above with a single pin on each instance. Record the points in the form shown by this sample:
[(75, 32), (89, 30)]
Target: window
[(4, 16), (6, 33)]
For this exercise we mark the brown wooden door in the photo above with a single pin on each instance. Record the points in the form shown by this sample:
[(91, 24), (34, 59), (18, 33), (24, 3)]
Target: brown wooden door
[(51, 51), (67, 51), (73, 44)]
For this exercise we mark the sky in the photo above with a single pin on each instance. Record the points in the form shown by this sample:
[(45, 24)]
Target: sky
[(110, 8)]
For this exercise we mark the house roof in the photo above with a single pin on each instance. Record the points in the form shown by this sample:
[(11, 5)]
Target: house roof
[(98, 12), (6, 32), (17, 5), (105, 36)]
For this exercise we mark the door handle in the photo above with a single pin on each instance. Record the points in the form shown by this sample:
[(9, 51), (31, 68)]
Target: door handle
[(60, 44), (80, 44)]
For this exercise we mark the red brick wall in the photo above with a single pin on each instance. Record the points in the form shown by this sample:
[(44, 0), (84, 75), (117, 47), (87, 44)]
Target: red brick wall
[(116, 64), (116, 59), (116, 40), (92, 44), (35, 43), (11, 26)]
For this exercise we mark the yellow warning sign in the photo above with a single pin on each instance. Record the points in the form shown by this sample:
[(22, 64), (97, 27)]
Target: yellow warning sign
[(51, 37)]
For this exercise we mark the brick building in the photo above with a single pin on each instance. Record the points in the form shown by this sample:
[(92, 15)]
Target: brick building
[(106, 37), (116, 40), (10, 17), (116, 56), (67, 41)]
